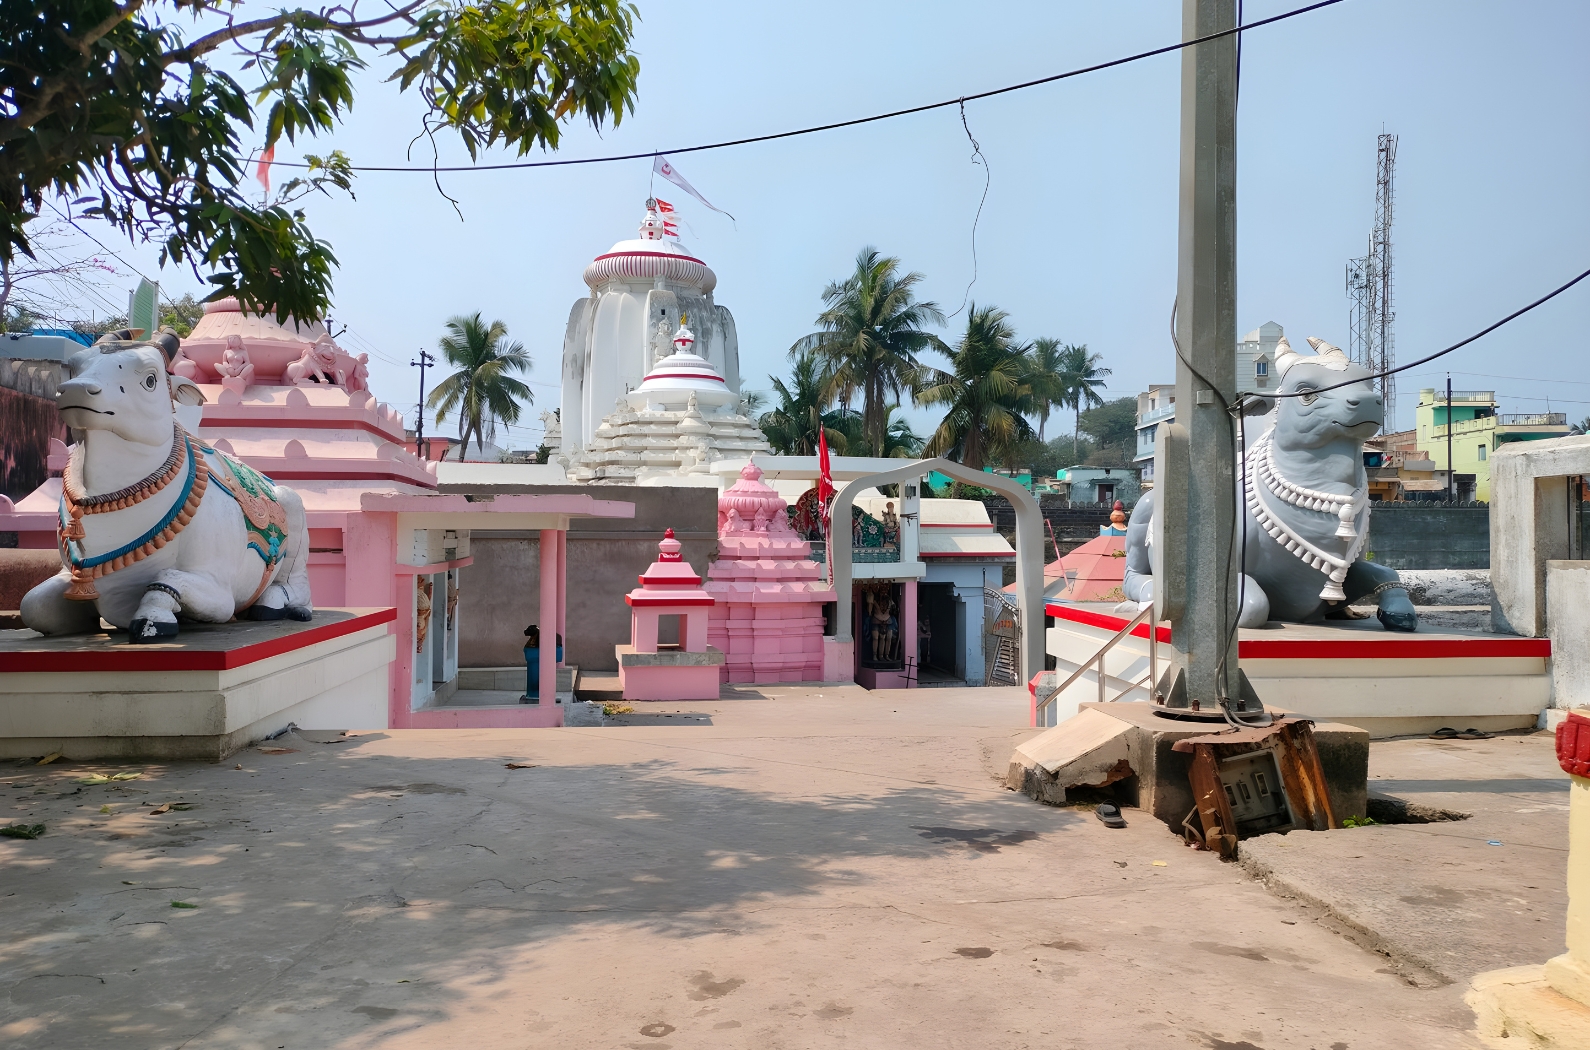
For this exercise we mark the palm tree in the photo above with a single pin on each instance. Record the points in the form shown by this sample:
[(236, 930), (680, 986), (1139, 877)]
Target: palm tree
[(791, 426), (899, 440), (985, 392), (1083, 378), (869, 336), (1047, 379), (482, 390)]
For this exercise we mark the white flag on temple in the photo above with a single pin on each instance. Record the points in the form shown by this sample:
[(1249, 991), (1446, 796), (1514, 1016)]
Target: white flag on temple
[(663, 167)]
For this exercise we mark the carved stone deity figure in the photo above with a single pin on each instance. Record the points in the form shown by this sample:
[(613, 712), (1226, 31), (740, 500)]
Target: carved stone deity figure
[(1307, 502), (184, 366), (883, 628), (360, 380), (318, 365), (237, 371), (891, 526), (422, 611), (662, 342), (155, 526)]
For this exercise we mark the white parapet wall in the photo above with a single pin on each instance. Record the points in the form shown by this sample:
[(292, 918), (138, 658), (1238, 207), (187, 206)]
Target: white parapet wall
[(1568, 623), (1390, 684), (212, 690)]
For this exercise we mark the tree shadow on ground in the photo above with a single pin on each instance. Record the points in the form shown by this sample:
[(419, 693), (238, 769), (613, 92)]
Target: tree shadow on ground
[(318, 870)]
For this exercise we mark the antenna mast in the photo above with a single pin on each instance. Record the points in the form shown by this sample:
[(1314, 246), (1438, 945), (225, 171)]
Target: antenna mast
[(1369, 284)]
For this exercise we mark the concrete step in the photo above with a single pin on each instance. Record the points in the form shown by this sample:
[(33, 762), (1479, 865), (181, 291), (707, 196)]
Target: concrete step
[(602, 688), (511, 677)]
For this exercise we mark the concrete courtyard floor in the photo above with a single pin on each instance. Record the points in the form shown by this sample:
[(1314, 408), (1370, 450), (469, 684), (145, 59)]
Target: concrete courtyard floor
[(785, 868)]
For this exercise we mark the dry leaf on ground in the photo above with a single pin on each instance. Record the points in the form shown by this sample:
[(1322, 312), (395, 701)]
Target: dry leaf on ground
[(164, 807), (51, 757), (519, 765), (101, 778), (278, 750)]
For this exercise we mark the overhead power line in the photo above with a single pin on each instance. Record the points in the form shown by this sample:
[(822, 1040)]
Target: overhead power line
[(959, 100), (1487, 330)]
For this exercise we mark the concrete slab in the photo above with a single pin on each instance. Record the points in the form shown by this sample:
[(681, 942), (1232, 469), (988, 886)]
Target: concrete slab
[(1447, 899), (816, 868), (1155, 778)]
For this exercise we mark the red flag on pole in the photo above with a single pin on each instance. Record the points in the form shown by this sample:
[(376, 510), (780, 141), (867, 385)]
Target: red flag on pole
[(825, 476), (263, 172)]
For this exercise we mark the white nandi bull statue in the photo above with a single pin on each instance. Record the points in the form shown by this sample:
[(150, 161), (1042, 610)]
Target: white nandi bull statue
[(1307, 502), (154, 524)]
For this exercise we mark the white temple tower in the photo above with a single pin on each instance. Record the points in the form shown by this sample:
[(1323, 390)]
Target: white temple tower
[(639, 289), (672, 428)]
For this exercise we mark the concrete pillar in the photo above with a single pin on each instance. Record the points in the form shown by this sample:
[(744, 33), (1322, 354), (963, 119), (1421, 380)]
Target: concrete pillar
[(908, 620), (1549, 1006), (1569, 973), (563, 585), (1202, 571), (549, 615)]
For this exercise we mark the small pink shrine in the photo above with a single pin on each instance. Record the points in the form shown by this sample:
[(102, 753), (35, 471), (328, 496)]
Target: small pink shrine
[(768, 619), (669, 601)]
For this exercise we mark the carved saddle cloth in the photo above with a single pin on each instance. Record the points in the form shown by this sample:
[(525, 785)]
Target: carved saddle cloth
[(256, 495)]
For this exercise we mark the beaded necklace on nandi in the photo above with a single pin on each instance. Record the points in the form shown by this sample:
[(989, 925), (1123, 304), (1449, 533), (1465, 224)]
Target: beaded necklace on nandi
[(1351, 512), (74, 505)]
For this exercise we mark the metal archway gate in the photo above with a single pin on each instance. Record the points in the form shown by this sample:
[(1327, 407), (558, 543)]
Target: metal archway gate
[(1029, 551)]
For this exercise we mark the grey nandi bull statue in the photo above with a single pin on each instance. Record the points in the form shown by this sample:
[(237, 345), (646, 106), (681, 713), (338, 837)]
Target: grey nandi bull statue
[(154, 524), (1307, 502)]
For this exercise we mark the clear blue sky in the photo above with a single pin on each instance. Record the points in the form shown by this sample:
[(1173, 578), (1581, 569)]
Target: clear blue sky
[(1078, 237)]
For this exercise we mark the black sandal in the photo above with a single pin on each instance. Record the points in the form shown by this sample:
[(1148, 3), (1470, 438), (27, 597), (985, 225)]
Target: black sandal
[(1110, 814), (1445, 733), (1475, 734)]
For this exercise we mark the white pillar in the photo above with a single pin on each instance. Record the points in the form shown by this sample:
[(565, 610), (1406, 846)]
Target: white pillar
[(908, 623)]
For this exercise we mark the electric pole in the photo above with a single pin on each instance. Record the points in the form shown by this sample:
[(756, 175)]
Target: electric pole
[(1196, 506), (1451, 478), (425, 361)]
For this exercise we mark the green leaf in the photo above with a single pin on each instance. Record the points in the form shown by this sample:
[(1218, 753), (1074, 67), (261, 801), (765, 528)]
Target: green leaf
[(22, 831)]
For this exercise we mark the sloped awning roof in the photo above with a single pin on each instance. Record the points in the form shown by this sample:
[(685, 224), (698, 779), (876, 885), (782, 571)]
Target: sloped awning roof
[(938, 543)]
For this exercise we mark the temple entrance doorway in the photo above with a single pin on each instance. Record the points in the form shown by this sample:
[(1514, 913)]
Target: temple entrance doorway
[(941, 634)]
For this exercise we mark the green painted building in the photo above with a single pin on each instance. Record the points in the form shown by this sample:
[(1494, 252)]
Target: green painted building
[(1477, 430)]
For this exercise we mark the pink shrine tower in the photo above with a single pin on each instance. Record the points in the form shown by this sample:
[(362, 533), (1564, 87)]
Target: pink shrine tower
[(768, 618), (650, 668)]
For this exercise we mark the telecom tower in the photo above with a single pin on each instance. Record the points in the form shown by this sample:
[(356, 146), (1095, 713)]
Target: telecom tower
[(1373, 344)]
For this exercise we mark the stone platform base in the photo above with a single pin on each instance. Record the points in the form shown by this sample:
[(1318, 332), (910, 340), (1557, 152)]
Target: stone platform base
[(1129, 745), (875, 678), (1518, 1009), (1356, 672), (212, 690), (669, 674)]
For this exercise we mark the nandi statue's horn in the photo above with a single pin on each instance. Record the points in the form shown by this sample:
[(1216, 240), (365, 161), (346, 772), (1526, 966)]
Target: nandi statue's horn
[(168, 341), (1331, 357), (1285, 356)]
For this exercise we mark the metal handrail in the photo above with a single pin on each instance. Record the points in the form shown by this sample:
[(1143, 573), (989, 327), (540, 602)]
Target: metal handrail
[(1097, 659)]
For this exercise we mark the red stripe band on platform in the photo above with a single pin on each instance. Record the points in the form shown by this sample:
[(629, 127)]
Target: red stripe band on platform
[(1101, 620), (129, 657), (1354, 646)]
